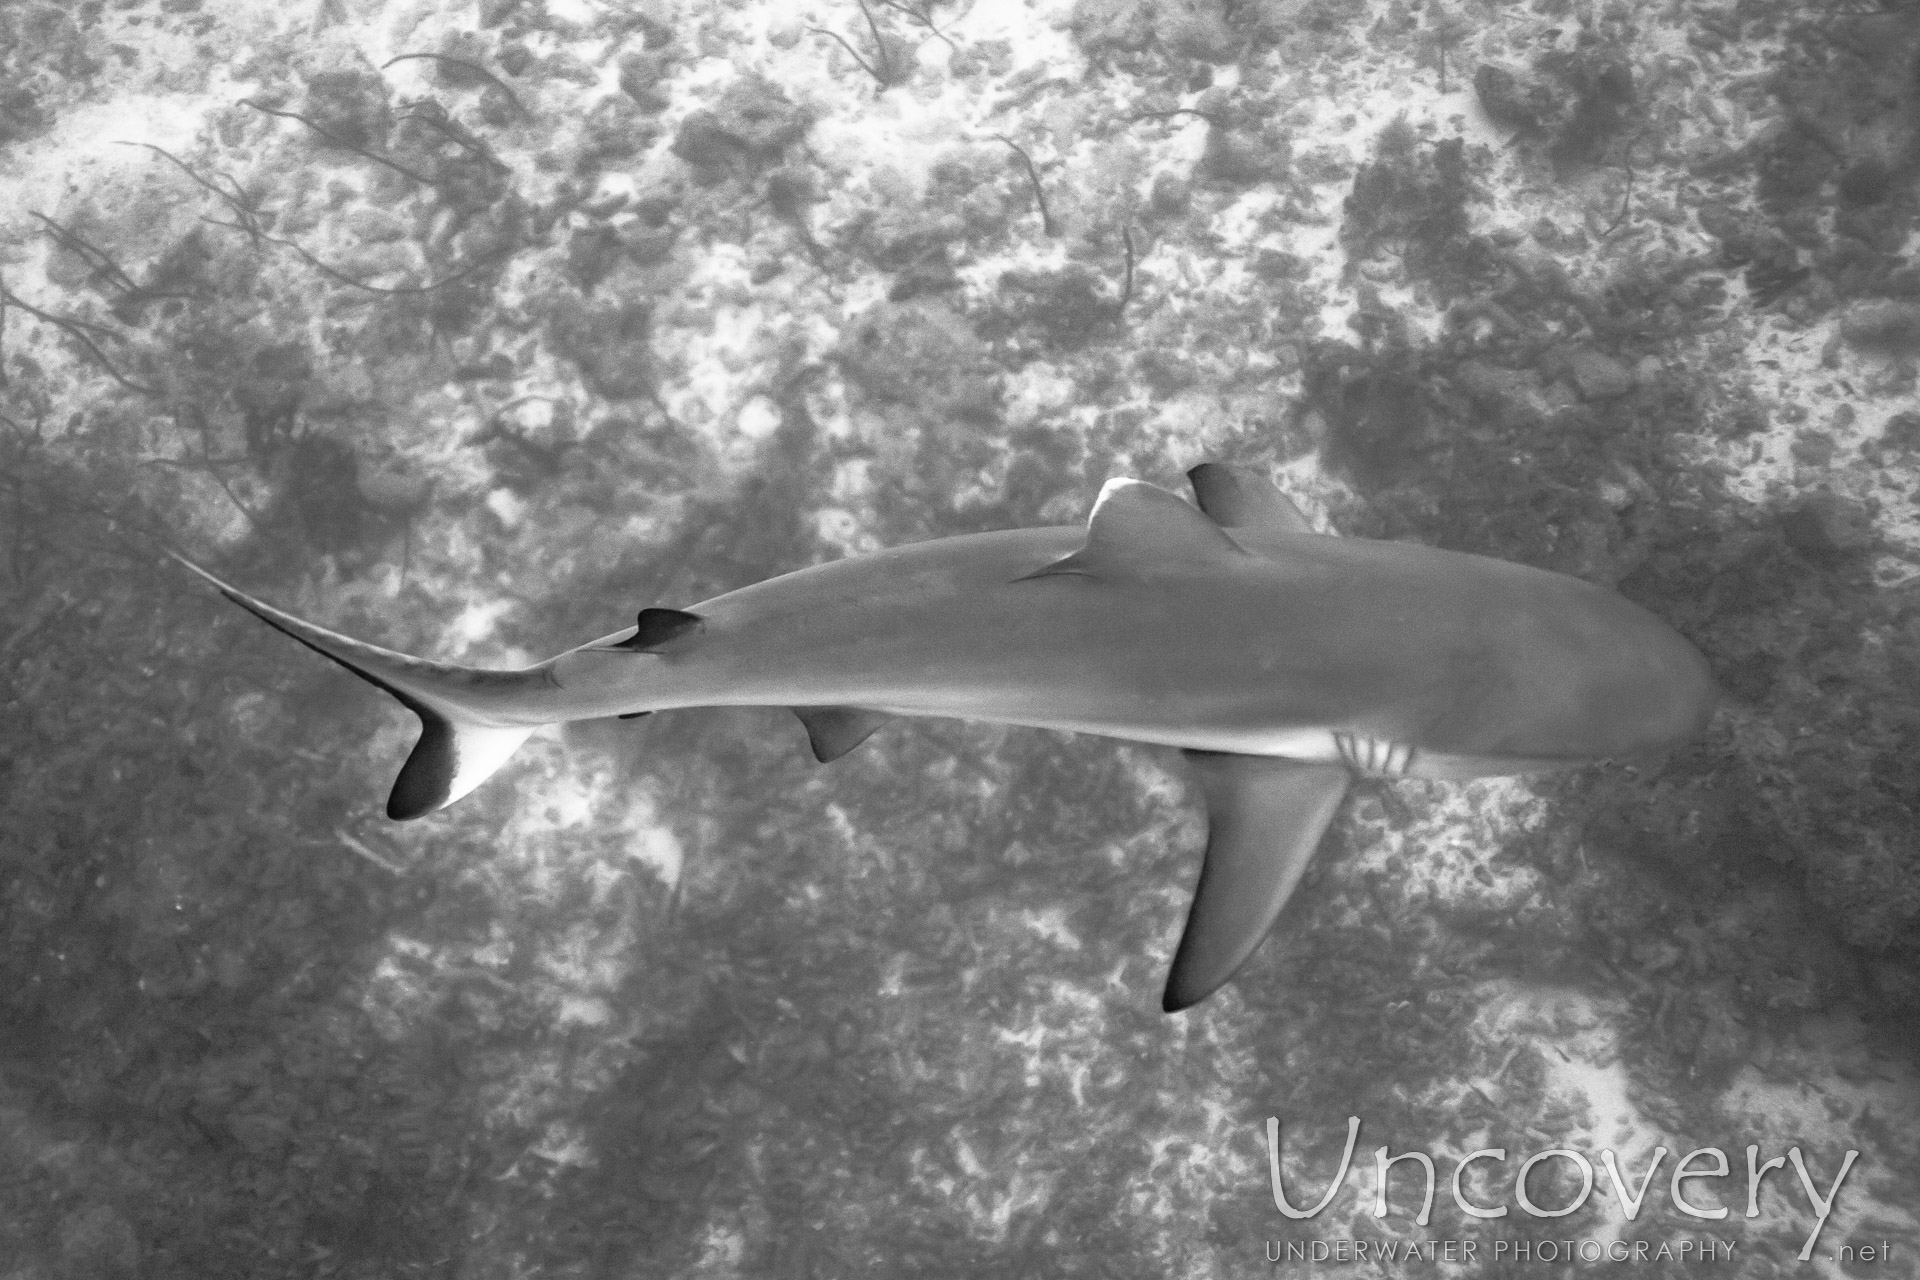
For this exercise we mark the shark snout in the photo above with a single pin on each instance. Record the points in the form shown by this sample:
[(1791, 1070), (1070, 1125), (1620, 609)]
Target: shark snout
[(1657, 694), (1598, 677), (1692, 692)]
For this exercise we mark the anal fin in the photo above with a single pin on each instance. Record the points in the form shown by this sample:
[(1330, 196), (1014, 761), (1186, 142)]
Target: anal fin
[(1265, 817), (834, 731)]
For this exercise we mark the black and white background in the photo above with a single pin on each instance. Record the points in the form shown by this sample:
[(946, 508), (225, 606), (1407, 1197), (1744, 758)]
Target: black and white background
[(470, 329)]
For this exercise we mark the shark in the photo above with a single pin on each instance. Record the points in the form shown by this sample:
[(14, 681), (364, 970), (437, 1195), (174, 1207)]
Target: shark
[(1282, 662)]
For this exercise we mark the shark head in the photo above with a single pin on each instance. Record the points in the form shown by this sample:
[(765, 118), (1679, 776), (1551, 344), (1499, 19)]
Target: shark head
[(1652, 691), (1590, 675)]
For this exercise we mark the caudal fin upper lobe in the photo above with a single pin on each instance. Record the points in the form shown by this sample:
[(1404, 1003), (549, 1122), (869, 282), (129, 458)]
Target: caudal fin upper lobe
[(471, 720)]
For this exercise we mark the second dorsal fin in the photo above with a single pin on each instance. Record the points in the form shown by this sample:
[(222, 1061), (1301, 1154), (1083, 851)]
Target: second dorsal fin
[(1137, 528), (655, 627)]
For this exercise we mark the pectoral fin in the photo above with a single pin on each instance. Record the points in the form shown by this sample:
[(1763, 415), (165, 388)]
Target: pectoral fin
[(1265, 817), (1238, 498), (834, 731)]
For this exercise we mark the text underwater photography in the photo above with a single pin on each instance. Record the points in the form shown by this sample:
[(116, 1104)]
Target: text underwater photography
[(836, 639), (1599, 1245)]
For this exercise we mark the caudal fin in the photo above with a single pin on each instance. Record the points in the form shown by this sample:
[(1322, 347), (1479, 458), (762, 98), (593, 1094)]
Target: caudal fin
[(471, 720)]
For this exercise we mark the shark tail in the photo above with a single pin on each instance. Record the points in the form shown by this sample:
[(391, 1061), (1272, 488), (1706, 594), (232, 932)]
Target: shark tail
[(471, 720)]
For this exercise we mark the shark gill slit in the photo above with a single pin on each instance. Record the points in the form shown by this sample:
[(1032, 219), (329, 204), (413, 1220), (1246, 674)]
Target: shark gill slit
[(1375, 757)]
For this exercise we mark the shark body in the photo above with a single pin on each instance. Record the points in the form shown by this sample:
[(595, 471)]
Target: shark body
[(1281, 661)]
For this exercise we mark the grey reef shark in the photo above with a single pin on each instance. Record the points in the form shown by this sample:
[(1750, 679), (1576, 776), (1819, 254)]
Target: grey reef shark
[(1282, 663)]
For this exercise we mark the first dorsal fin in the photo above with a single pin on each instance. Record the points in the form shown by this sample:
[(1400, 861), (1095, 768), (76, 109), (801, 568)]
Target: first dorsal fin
[(1137, 528), (1240, 499)]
